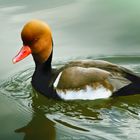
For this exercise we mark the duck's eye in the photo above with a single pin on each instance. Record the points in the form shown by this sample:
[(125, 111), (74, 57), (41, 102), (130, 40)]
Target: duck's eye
[(33, 41), (30, 42), (36, 39)]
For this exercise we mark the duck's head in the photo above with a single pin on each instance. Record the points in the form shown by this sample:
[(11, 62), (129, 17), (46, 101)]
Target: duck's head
[(37, 40)]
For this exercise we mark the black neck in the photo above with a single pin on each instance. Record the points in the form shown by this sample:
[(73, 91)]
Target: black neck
[(42, 79), (45, 65)]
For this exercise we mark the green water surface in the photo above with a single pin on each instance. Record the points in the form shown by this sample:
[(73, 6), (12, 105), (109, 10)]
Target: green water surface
[(82, 29)]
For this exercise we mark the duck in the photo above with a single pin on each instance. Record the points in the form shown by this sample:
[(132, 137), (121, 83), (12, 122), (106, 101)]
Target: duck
[(75, 80)]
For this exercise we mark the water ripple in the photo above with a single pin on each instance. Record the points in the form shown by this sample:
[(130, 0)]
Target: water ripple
[(111, 117)]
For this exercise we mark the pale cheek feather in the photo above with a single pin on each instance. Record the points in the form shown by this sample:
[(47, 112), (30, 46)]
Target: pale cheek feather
[(85, 94)]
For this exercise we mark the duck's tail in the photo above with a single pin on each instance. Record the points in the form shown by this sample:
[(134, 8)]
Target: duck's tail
[(133, 77), (133, 87)]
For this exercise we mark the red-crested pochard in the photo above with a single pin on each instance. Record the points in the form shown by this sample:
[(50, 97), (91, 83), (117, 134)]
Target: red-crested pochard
[(84, 79)]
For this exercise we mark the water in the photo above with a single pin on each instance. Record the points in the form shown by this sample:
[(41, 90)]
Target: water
[(82, 29)]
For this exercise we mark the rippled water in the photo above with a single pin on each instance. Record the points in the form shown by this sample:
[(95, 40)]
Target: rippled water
[(36, 117), (82, 29)]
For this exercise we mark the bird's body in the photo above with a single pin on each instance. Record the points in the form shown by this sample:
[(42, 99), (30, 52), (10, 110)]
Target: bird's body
[(81, 79)]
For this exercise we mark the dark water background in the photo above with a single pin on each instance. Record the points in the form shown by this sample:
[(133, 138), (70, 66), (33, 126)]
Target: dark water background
[(82, 29)]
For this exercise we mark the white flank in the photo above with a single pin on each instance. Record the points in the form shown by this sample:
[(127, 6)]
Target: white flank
[(57, 80), (85, 94)]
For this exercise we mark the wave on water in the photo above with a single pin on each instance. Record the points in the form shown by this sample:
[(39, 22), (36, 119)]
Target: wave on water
[(89, 118)]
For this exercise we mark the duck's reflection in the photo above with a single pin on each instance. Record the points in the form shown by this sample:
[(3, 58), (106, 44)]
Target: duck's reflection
[(40, 127)]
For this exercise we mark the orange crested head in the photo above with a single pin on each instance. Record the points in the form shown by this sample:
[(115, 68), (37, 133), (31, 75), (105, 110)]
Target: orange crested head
[(37, 39)]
